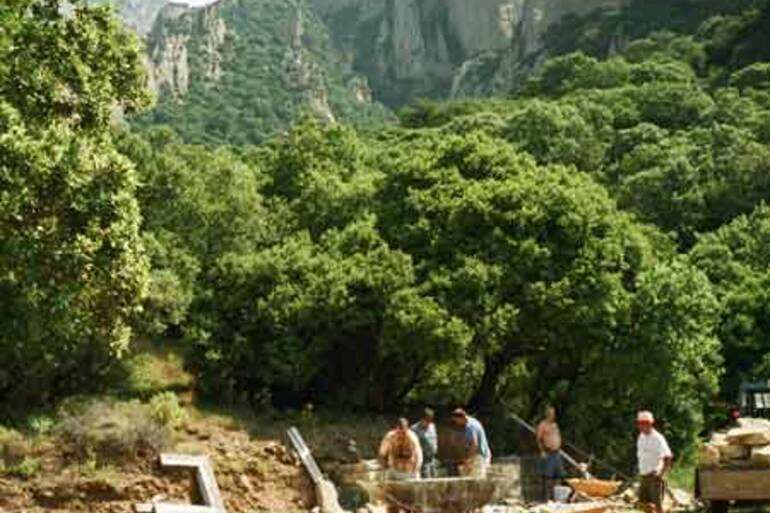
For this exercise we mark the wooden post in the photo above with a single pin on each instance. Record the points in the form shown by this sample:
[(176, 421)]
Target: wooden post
[(304, 454)]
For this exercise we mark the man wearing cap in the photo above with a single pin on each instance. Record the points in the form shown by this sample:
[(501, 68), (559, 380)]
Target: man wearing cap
[(478, 454), (655, 459), (425, 430)]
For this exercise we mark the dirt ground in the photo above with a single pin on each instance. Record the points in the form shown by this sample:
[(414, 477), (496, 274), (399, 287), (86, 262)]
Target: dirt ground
[(253, 475)]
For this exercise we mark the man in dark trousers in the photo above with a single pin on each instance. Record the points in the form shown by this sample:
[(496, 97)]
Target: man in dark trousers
[(655, 460), (425, 429)]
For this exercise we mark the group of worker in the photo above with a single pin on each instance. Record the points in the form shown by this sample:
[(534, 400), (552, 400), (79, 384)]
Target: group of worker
[(410, 452)]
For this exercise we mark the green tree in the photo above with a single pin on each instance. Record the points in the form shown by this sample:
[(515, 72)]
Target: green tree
[(571, 72), (536, 260), (555, 133), (323, 173), (666, 359), (693, 181), (736, 260), (72, 267), (197, 205), (333, 322), (755, 76)]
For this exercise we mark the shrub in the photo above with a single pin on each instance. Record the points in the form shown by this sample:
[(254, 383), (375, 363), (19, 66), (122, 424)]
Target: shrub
[(73, 272), (154, 369), (166, 410), (107, 430), (13, 447), (40, 424), (27, 468)]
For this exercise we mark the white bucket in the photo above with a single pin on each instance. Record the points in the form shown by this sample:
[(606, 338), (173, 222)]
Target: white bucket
[(561, 493)]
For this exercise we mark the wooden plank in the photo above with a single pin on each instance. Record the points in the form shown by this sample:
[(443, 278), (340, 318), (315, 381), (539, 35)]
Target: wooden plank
[(304, 454), (204, 474), (165, 507), (735, 484), (208, 487), (182, 460)]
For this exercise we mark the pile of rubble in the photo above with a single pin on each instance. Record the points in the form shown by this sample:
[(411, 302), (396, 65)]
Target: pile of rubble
[(745, 445), (623, 502)]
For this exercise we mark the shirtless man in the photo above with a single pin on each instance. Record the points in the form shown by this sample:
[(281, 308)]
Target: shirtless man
[(401, 453), (549, 442)]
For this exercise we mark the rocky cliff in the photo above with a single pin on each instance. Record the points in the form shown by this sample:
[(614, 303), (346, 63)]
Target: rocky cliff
[(439, 48), (249, 67), (391, 51), (239, 70)]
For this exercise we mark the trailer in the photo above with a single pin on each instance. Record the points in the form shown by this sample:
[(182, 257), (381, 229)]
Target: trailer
[(722, 487)]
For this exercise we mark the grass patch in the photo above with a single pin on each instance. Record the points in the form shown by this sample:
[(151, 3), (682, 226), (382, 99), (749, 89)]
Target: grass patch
[(683, 476), (26, 469), (164, 408)]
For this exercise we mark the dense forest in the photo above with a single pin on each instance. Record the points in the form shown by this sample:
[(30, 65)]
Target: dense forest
[(598, 238)]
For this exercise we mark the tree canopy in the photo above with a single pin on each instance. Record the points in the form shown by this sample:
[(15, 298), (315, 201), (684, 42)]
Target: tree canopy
[(71, 262)]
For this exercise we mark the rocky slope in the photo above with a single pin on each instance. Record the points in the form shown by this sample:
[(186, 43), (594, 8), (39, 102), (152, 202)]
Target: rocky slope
[(238, 70), (253, 475)]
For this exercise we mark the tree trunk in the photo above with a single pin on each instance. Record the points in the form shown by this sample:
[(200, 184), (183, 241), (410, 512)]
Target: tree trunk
[(485, 398)]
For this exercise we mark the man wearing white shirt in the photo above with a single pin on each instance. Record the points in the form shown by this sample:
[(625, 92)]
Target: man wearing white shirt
[(655, 460)]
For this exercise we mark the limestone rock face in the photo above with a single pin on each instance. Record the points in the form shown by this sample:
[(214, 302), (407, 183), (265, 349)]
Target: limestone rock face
[(360, 90), (169, 67), (304, 75), (498, 70), (257, 64), (443, 48), (216, 29)]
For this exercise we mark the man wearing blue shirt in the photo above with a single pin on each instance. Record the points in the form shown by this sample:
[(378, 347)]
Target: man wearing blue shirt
[(479, 456), (425, 430)]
